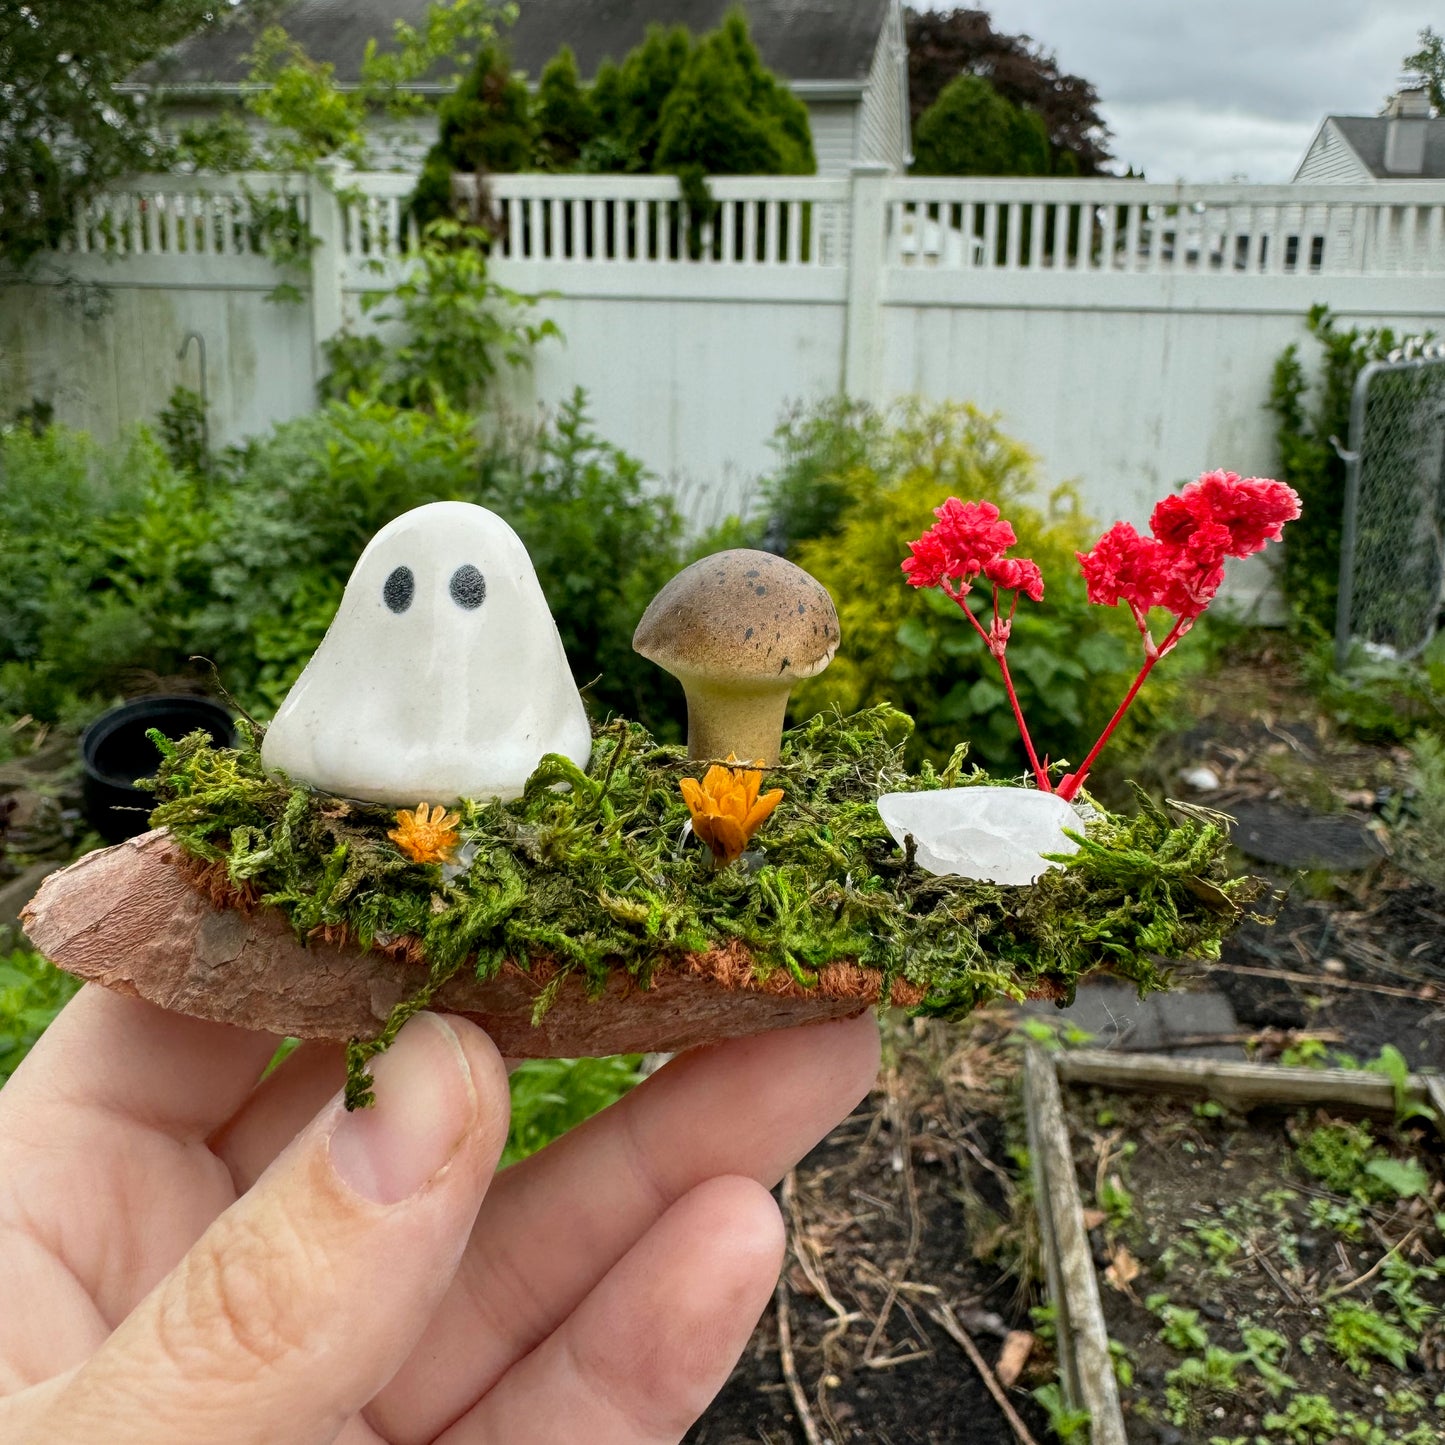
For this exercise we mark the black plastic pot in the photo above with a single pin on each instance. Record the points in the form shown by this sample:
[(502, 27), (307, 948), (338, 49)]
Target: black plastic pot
[(115, 752)]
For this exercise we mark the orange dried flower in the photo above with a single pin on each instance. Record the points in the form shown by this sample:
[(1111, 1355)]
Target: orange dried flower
[(427, 835), (726, 810)]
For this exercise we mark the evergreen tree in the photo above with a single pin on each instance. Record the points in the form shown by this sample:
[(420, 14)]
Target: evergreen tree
[(485, 125), (971, 130), (649, 73), (729, 116), (943, 44), (564, 119)]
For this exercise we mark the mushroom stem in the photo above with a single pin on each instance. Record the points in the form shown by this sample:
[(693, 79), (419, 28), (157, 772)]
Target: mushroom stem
[(746, 722)]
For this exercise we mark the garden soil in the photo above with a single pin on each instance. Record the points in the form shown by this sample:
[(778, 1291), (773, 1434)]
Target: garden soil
[(1274, 1248), (905, 1207)]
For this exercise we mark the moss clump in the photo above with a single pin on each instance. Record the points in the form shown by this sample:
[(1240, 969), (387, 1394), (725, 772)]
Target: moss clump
[(595, 876)]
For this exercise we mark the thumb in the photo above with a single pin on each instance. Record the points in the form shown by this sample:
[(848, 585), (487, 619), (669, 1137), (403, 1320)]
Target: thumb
[(301, 1300)]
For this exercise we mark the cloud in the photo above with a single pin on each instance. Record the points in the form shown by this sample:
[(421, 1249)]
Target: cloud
[(1235, 87)]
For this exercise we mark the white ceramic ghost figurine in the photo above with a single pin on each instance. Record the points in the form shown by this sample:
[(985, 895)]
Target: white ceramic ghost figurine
[(441, 676)]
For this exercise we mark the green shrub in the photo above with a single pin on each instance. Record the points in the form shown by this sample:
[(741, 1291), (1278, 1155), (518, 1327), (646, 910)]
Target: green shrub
[(100, 556), (971, 130), (819, 449), (1308, 415), (32, 992), (458, 327), (880, 478), (604, 541), (136, 567), (550, 1096)]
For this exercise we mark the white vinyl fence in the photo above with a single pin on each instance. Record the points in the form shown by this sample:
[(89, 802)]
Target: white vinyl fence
[(1125, 331)]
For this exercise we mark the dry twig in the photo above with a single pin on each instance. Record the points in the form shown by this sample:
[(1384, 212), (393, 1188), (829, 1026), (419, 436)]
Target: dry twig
[(903, 1163), (948, 1321), (790, 1368)]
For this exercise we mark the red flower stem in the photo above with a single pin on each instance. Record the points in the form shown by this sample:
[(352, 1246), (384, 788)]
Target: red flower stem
[(1069, 788), (1040, 776)]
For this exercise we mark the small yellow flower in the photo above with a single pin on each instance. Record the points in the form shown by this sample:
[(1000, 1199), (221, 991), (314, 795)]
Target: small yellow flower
[(726, 810), (426, 836)]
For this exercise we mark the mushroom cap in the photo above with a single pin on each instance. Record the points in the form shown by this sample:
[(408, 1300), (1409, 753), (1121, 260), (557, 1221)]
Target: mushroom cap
[(744, 616)]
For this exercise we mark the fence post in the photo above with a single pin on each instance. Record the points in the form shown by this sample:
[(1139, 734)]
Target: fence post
[(327, 264), (863, 324)]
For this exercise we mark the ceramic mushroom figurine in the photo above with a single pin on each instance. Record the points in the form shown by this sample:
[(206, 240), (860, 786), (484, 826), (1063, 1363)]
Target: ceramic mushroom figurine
[(738, 629), (441, 676)]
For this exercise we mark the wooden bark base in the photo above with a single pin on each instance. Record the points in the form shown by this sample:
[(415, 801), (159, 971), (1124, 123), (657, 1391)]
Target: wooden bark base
[(133, 919)]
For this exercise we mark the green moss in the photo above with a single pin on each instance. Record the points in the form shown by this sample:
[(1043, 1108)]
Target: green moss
[(594, 876)]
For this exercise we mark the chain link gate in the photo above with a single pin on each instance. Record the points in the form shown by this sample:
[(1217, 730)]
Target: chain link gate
[(1392, 550)]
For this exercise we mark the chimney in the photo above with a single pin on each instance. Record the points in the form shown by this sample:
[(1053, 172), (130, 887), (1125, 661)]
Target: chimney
[(1409, 116)]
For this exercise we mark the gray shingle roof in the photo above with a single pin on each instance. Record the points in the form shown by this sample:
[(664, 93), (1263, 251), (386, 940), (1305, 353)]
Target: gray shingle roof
[(801, 40), (1366, 135)]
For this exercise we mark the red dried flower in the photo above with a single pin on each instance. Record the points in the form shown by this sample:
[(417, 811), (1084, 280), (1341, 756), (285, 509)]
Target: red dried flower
[(1190, 587), (1174, 520), (969, 538), (1252, 509), (1125, 567), (928, 565), (1016, 574), (973, 533)]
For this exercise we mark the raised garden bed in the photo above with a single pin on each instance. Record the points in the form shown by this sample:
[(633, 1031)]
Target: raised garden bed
[(1254, 1259)]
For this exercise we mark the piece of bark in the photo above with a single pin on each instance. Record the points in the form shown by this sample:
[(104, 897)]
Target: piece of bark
[(134, 918)]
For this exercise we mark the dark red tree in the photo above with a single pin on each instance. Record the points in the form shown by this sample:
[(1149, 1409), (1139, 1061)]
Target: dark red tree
[(946, 43)]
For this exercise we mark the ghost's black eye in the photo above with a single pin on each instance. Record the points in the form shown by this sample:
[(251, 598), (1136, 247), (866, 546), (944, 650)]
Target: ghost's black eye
[(468, 587), (397, 590)]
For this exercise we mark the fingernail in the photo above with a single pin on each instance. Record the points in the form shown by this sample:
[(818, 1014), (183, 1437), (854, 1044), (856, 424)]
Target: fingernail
[(425, 1104)]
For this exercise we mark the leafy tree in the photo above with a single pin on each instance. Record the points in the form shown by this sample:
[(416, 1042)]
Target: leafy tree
[(564, 118), (971, 130), (728, 115), (1427, 65), (945, 44), (485, 125), (64, 128), (311, 119)]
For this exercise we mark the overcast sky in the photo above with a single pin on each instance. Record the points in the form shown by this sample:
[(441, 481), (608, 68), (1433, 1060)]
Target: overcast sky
[(1207, 90)]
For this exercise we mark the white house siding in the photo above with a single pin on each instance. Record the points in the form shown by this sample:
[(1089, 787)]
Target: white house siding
[(881, 121), (1331, 158), (835, 135)]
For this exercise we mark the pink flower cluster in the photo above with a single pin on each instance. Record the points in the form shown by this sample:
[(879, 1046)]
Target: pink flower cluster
[(969, 538), (1180, 567)]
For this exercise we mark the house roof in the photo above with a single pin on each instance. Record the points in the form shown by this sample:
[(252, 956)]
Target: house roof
[(1366, 137), (805, 42)]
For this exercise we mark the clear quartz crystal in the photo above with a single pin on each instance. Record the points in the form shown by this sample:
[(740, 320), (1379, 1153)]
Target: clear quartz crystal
[(995, 835)]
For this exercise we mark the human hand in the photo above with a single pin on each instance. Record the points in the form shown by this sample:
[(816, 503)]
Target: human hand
[(190, 1258)]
